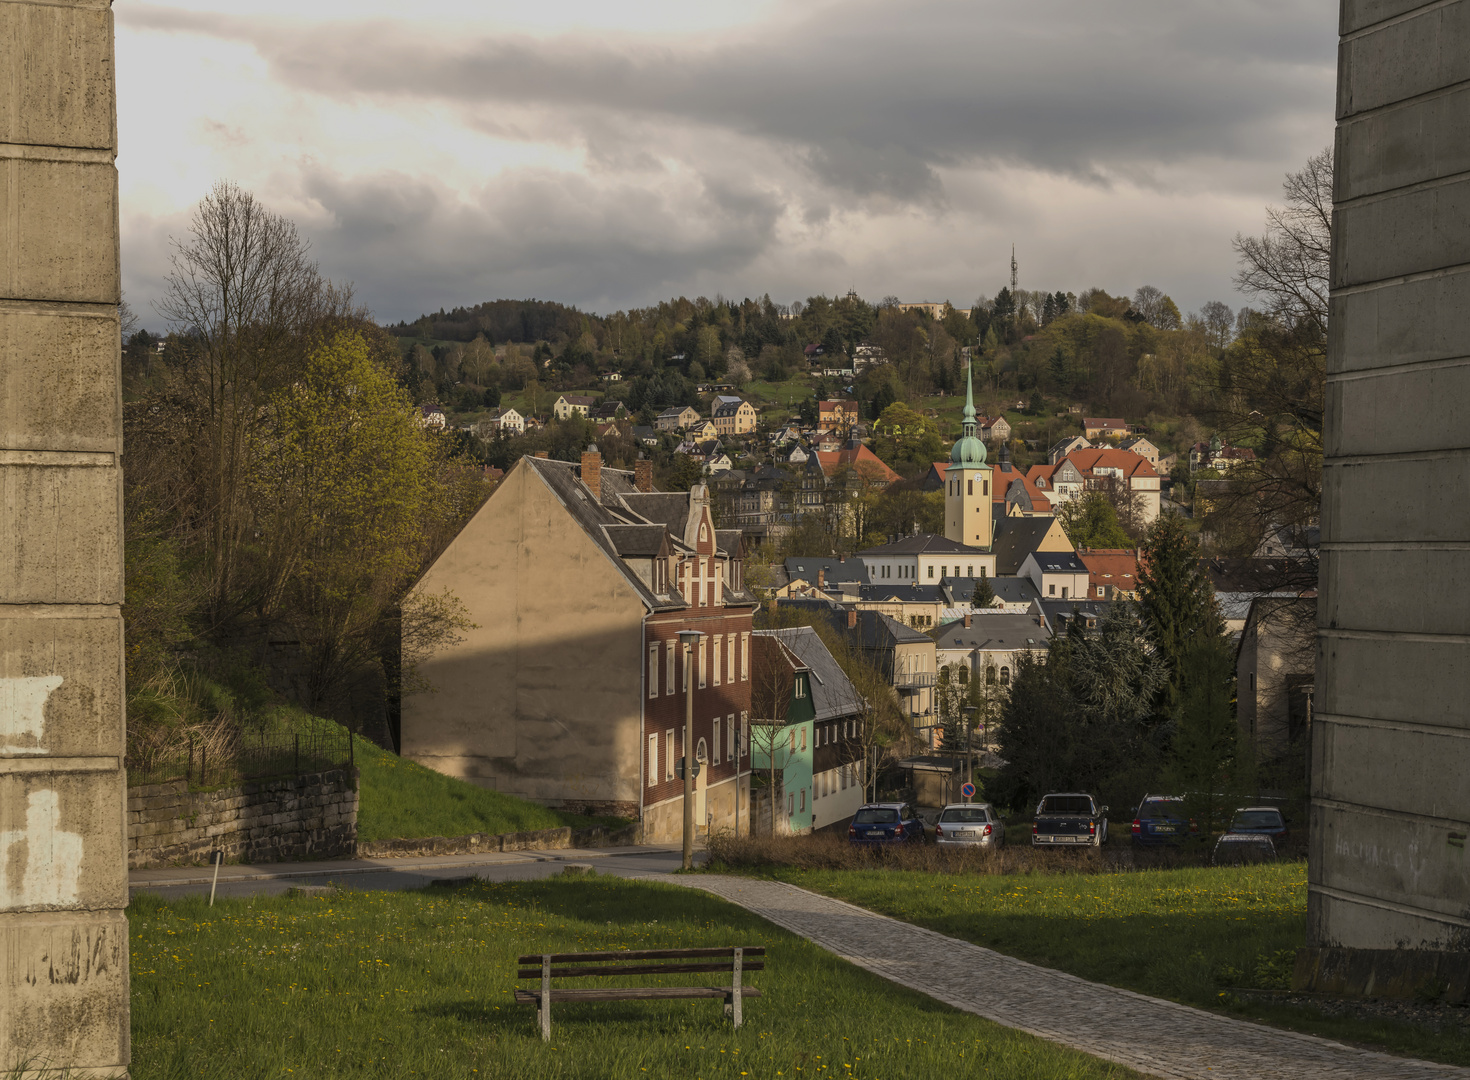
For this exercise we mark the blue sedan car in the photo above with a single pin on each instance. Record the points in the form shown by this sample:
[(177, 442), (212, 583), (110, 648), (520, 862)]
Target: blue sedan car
[(1259, 821), (885, 823)]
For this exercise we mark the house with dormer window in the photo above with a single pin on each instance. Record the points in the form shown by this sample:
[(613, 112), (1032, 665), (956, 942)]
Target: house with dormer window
[(570, 688)]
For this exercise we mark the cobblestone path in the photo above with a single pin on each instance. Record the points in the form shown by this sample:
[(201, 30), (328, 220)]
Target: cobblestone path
[(1156, 1037)]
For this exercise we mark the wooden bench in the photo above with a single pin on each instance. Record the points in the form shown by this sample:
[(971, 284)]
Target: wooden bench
[(664, 962)]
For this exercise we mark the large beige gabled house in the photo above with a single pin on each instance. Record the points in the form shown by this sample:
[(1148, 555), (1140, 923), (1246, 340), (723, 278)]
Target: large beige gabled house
[(570, 689)]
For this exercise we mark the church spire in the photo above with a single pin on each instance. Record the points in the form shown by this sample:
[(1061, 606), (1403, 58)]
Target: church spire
[(968, 450), (967, 425)]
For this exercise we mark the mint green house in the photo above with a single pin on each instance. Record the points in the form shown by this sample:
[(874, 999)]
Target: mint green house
[(781, 732)]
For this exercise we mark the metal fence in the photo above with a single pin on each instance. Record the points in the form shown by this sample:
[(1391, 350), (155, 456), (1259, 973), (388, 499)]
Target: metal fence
[(247, 760)]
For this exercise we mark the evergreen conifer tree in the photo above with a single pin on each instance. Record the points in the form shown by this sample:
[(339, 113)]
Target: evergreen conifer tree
[(1175, 597), (984, 595)]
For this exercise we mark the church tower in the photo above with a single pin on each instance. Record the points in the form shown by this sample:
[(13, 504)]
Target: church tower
[(967, 495)]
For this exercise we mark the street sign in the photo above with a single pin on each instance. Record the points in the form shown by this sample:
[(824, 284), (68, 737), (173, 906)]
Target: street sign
[(967, 789), (679, 768)]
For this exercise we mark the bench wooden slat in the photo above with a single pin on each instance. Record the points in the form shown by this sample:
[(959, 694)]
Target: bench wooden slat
[(646, 954), (633, 993), (635, 969)]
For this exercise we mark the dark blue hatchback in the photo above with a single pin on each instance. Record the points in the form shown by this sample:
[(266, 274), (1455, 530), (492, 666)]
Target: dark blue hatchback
[(885, 823), (1160, 820)]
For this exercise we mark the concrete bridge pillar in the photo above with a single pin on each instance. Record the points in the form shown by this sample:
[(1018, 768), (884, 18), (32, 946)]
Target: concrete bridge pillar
[(63, 876), (1389, 864)]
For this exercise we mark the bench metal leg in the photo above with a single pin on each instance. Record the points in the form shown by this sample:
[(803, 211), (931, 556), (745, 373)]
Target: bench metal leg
[(734, 1009), (543, 1014)]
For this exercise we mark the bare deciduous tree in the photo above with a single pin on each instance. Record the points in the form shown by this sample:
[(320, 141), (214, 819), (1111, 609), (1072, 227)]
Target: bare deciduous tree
[(1288, 266)]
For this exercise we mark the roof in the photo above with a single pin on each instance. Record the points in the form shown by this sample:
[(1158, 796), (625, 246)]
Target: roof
[(1059, 562), (729, 541), (579, 399), (670, 508), (1009, 590), (675, 410), (1058, 612), (861, 460), (874, 630), (1126, 461), (645, 541), (1037, 498), (993, 632), (1104, 421), (1111, 566), (833, 694), (907, 594), (835, 571), (919, 544), (1015, 538), (727, 406)]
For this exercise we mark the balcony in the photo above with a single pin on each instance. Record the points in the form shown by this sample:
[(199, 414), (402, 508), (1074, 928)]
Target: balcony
[(913, 681)]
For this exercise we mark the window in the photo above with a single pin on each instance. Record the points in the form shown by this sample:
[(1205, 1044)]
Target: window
[(653, 670), (673, 664), (730, 659), (990, 675), (803, 800), (700, 649), (715, 743), (745, 734), (745, 657), (669, 754), (790, 805), (969, 571), (800, 690), (1005, 676), (803, 738), (715, 645), (931, 571), (1051, 589), (970, 484), (731, 748), (653, 759), (793, 741), (986, 487)]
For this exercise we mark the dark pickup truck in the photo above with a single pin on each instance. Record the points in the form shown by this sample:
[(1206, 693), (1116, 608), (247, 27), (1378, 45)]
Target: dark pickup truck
[(1069, 819)]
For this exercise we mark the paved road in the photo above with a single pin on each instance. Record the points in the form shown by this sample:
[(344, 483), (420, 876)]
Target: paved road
[(390, 874), (1160, 1038)]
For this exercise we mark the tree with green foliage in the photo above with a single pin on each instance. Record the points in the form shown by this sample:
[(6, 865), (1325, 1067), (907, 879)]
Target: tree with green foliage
[(984, 595), (904, 440), (1090, 521), (1207, 760), (1175, 595)]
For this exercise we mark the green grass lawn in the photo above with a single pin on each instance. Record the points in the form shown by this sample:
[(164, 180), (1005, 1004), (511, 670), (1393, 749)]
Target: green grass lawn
[(398, 798), (419, 984), (1193, 935)]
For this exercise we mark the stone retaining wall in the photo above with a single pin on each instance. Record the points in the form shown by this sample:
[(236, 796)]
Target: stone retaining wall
[(595, 836), (309, 816)]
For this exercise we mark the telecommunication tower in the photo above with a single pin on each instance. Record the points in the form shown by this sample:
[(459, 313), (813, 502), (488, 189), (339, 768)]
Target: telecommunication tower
[(1013, 269)]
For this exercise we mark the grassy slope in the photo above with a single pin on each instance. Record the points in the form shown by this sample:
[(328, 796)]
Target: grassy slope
[(419, 983), (399, 798), (1189, 935)]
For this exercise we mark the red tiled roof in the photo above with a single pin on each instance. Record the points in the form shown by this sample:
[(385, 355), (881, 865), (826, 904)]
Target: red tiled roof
[(1126, 461), (1104, 421), (1039, 498), (862, 460), (1117, 567)]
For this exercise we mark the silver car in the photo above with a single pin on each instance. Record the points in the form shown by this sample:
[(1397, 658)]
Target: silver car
[(973, 824)]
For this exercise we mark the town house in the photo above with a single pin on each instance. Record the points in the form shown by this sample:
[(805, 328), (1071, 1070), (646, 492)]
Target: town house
[(732, 416), (569, 690), (569, 405)]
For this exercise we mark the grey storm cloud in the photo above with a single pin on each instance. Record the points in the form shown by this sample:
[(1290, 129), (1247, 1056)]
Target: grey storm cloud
[(874, 97)]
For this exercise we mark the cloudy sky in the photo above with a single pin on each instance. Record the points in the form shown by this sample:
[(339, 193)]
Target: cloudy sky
[(445, 152)]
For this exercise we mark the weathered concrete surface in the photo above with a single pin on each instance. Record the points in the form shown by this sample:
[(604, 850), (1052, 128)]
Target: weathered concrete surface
[(1391, 741), (63, 877)]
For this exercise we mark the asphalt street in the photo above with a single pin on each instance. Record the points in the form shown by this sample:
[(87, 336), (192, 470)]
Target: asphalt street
[(410, 873)]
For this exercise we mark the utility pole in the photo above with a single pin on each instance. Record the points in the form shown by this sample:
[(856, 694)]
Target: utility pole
[(687, 638)]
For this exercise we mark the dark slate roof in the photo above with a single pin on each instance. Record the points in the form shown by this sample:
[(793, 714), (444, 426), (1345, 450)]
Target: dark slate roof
[(1015, 538), (638, 541), (832, 694), (1059, 562), (728, 541), (838, 571), (919, 544), (914, 594), (998, 631), (874, 629), (561, 477), (641, 432), (1058, 612), (1012, 590), (669, 508)]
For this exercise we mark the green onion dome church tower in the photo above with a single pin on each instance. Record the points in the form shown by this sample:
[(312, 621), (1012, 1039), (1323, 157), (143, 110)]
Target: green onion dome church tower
[(967, 496)]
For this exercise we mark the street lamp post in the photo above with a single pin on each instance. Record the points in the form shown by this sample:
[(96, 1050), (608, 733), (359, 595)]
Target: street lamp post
[(687, 638), (969, 713)]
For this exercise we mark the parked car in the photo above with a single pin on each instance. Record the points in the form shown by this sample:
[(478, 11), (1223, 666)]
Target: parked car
[(1259, 821), (1160, 819), (1233, 849), (970, 824), (885, 823), (1069, 818)]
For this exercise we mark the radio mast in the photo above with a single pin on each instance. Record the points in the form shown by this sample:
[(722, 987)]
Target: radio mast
[(1013, 269)]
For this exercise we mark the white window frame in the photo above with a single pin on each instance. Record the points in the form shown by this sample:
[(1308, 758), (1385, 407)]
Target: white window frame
[(716, 641), (670, 683), (714, 743), (653, 759), (653, 670), (668, 755), (744, 734), (745, 657), (732, 748), (703, 667)]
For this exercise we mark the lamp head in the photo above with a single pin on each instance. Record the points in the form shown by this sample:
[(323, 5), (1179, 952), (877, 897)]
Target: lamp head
[(688, 637)]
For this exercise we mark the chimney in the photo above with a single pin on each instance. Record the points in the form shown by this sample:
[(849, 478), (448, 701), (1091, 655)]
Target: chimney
[(643, 474), (852, 618), (541, 453), (821, 579), (968, 616), (592, 470)]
